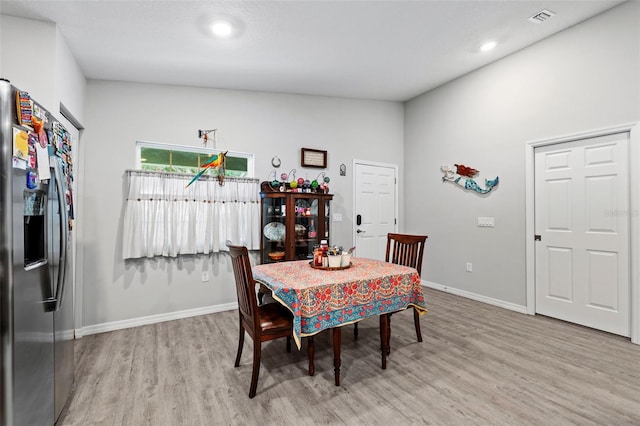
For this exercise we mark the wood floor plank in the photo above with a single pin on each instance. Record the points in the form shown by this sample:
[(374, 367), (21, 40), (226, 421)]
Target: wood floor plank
[(478, 364)]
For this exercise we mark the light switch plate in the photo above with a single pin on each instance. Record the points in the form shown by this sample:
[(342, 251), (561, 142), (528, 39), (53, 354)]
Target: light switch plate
[(485, 222), (337, 217)]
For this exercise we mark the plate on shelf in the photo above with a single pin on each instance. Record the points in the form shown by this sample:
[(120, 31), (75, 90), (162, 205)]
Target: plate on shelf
[(275, 231), (314, 207), (301, 231), (301, 207), (302, 203)]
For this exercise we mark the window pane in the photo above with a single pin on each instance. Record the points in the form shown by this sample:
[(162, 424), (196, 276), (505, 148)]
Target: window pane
[(154, 156), (237, 163), (204, 158), (173, 159), (183, 158)]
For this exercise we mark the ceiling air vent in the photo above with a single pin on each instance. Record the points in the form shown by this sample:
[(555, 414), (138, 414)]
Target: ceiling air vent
[(541, 16)]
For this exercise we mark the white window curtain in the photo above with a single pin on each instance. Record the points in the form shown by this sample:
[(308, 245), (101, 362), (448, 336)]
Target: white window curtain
[(164, 218)]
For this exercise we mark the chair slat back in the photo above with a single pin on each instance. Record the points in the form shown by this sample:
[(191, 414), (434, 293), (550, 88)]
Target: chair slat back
[(245, 285), (406, 250)]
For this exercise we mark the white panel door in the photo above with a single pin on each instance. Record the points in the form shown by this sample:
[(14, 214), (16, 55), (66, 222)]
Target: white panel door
[(375, 206), (582, 220)]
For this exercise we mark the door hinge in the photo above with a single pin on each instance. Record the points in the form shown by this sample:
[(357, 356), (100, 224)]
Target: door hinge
[(537, 237)]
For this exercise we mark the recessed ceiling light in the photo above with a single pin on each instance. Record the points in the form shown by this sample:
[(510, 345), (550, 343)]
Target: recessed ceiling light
[(488, 46), (222, 28)]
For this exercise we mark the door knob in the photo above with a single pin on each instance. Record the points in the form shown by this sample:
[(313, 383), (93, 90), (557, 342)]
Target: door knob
[(360, 231)]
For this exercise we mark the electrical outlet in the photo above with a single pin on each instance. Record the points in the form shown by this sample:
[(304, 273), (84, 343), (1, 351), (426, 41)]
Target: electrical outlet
[(469, 267), (205, 276)]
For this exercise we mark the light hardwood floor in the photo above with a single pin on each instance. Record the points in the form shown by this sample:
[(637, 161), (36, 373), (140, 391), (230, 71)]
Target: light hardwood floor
[(478, 364)]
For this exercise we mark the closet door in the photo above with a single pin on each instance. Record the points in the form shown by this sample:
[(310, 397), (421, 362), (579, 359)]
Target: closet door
[(582, 226)]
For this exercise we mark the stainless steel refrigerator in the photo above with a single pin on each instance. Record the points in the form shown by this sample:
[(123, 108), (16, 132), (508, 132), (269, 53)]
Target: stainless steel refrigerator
[(36, 298)]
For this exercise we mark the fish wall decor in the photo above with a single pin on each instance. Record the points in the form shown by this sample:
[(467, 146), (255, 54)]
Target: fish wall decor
[(464, 177)]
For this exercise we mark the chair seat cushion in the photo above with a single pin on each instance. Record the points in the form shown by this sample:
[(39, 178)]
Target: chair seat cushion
[(274, 317)]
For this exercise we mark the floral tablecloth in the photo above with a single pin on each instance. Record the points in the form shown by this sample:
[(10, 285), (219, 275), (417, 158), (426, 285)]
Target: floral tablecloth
[(321, 299)]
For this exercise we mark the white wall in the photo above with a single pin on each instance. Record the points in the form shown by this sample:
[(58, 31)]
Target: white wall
[(71, 85), (581, 79), (28, 53), (118, 114), (36, 58)]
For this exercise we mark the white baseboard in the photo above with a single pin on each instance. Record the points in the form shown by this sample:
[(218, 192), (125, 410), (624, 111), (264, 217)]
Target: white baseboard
[(152, 319), (489, 300)]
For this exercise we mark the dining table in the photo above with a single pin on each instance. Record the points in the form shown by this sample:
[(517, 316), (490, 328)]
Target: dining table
[(329, 298)]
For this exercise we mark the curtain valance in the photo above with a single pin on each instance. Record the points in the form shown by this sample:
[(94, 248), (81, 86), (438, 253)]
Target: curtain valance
[(164, 218)]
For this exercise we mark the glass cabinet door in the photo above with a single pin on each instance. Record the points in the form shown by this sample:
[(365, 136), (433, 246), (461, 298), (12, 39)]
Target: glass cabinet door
[(292, 224), (326, 220), (306, 227), (274, 213)]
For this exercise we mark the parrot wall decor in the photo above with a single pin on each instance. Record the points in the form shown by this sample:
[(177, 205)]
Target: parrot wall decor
[(463, 176), (216, 162)]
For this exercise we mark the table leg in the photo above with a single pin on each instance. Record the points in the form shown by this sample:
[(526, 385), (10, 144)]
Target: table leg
[(388, 334), (311, 350), (337, 337), (384, 338)]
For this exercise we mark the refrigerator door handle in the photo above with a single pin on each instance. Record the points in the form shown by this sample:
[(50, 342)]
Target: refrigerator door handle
[(50, 304), (64, 234), (36, 265)]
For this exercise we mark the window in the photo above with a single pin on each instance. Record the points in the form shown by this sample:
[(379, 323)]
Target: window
[(164, 217), (154, 156)]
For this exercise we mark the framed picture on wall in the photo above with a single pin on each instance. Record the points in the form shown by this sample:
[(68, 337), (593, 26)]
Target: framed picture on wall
[(313, 158)]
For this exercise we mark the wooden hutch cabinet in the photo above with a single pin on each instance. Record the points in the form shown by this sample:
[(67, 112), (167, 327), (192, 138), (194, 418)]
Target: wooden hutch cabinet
[(292, 223)]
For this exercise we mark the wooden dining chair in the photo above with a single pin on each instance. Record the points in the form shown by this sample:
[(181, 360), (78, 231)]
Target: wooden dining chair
[(406, 250), (262, 322)]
